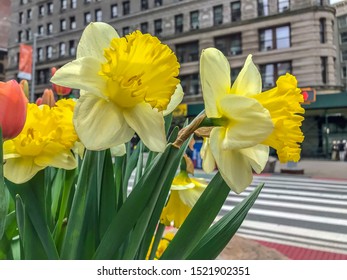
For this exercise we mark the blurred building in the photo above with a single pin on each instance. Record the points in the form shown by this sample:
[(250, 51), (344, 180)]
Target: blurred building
[(5, 12), (283, 35)]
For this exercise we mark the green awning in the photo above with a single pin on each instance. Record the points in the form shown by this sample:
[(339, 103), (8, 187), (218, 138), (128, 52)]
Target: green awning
[(328, 101)]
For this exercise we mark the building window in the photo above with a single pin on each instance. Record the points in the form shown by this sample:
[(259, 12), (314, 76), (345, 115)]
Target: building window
[(87, 18), (72, 22), (39, 54), (63, 4), (41, 10), (263, 7), (179, 23), (62, 25), (342, 21), (322, 29), (49, 52), (62, 49), (344, 55), (87, 1), (42, 76), (144, 5), (20, 36), (73, 4), (126, 8), (158, 3), (114, 11), (229, 45), (40, 30), (49, 28), (234, 72), (98, 15), (29, 15), (283, 5), (235, 11), (190, 84), (271, 72), (343, 37), (218, 15), (324, 67), (21, 17), (49, 8), (28, 34), (144, 27), (187, 52), (274, 38), (194, 20), (158, 29), (72, 48), (126, 30)]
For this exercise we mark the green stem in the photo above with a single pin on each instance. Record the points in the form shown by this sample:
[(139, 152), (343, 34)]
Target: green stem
[(157, 238)]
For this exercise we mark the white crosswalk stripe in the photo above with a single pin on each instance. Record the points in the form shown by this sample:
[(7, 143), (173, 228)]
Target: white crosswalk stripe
[(297, 211)]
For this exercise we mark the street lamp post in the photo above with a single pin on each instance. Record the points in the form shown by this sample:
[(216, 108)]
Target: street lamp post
[(33, 69)]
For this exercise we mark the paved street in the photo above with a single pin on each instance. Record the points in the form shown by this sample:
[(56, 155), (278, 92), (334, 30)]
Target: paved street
[(297, 211)]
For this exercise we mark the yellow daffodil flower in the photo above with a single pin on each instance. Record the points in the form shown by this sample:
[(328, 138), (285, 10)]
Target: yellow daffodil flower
[(163, 244), (126, 84), (46, 140), (247, 121), (185, 191)]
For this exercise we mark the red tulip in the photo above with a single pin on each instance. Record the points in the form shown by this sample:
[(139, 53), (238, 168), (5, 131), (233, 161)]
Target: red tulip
[(13, 109), (38, 101), (60, 90)]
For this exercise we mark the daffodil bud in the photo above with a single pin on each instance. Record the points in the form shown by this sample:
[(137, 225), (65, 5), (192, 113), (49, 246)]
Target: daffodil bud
[(48, 98), (60, 90), (13, 109)]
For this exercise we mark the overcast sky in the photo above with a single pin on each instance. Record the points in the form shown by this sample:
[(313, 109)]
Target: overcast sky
[(335, 1)]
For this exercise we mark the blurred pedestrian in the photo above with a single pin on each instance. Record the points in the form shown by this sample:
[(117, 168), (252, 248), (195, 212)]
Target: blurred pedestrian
[(342, 151)]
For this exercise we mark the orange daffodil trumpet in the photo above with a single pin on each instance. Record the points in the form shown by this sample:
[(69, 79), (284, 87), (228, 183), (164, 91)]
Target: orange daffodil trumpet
[(126, 84), (247, 121), (46, 140)]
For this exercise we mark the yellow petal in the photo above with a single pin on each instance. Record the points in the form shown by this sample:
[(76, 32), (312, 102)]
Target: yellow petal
[(248, 82), (208, 162), (215, 79), (100, 124), (257, 156), (95, 38), (20, 170), (148, 123), (248, 123), (233, 166), (175, 100), (81, 74)]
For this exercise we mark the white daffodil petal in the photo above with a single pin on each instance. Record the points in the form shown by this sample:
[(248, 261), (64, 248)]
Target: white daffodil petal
[(248, 82), (249, 123), (208, 162), (148, 123), (81, 74), (232, 165), (95, 38), (215, 79), (20, 170), (176, 99), (257, 156), (99, 124), (190, 196)]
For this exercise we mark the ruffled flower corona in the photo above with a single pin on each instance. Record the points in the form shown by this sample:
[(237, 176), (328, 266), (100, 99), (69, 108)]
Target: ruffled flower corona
[(13, 109), (185, 191), (247, 121), (46, 140), (126, 85)]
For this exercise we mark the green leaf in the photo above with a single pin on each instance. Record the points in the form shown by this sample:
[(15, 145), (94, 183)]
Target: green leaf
[(4, 196), (6, 241), (198, 221), (219, 235), (32, 196), (142, 196), (74, 244)]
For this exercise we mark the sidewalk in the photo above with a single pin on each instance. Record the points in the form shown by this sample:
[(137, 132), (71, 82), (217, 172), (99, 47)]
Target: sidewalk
[(318, 168)]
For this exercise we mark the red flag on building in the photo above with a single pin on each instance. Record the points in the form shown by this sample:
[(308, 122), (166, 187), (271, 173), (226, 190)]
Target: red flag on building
[(25, 61)]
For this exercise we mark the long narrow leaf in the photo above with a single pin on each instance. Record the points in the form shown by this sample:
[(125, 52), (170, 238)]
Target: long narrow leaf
[(199, 220), (4, 197), (219, 235)]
